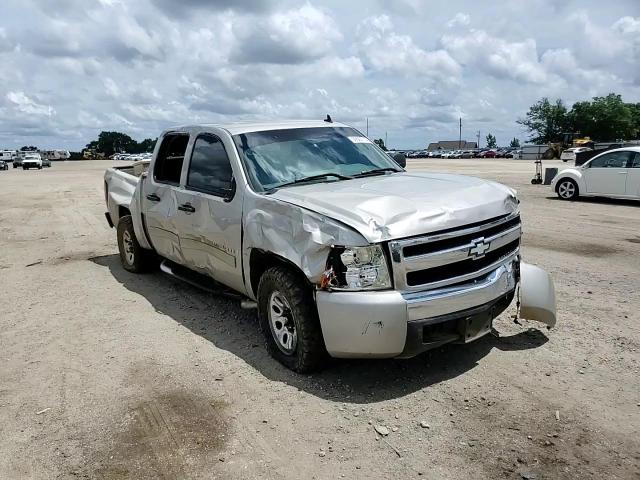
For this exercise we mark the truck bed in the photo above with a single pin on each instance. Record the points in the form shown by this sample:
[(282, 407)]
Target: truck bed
[(119, 186)]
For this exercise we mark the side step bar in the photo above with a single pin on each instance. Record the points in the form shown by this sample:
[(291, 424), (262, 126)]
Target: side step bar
[(204, 282)]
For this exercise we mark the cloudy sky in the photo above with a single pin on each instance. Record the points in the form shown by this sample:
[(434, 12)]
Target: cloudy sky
[(71, 68)]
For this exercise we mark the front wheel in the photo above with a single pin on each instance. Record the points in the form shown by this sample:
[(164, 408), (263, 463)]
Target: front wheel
[(134, 258), (567, 189), (289, 321)]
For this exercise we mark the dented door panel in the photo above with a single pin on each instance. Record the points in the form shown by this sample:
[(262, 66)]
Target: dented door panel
[(210, 237)]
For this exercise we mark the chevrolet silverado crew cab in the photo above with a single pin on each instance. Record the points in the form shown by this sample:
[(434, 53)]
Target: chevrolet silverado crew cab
[(342, 251)]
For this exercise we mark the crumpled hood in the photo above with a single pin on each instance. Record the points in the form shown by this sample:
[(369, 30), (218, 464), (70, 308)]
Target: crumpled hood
[(406, 204)]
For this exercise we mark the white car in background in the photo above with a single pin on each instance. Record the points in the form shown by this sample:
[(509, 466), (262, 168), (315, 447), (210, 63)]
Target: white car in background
[(569, 155), (614, 173), (32, 160)]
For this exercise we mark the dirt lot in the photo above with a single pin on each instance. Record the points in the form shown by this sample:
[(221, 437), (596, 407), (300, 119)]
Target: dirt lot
[(105, 374)]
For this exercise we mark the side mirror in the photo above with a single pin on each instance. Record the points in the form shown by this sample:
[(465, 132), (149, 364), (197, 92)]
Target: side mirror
[(400, 159)]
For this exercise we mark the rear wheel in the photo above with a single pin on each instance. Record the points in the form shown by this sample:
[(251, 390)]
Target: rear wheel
[(289, 321), (567, 189), (134, 258)]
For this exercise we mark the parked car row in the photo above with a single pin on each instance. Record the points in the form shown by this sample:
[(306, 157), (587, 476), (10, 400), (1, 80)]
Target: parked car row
[(131, 157), (473, 153)]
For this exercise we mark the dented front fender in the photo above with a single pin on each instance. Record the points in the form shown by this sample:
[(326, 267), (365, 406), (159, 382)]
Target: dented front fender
[(537, 295)]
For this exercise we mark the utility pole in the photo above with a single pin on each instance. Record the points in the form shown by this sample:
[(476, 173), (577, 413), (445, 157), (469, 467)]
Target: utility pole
[(367, 127), (385, 140), (478, 146), (460, 137)]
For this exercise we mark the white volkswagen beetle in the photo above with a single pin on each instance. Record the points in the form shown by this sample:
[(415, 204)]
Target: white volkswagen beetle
[(614, 173)]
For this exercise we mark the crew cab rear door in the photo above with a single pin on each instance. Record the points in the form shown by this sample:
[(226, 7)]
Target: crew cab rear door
[(159, 195), (209, 217)]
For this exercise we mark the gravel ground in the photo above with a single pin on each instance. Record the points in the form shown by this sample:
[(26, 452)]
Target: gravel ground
[(105, 374)]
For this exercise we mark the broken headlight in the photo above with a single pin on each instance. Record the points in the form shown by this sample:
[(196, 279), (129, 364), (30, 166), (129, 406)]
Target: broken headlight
[(357, 268)]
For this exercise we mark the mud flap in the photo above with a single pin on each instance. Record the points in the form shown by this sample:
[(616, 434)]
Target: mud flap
[(537, 295)]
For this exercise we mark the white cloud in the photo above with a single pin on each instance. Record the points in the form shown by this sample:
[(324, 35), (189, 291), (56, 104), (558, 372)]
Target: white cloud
[(386, 50), (496, 56), (563, 63), (23, 103), (289, 37), (460, 20), (111, 88), (628, 26)]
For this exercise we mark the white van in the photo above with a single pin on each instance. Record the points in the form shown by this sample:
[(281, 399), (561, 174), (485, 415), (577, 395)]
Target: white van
[(7, 155)]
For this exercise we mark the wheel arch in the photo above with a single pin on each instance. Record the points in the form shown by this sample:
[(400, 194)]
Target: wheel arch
[(261, 260), (566, 177), (123, 211)]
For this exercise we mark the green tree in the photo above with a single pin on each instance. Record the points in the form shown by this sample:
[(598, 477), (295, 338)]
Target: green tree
[(604, 118), (515, 143), (635, 116), (147, 145), (380, 143), (113, 142), (546, 121), (491, 141), (116, 142), (28, 149)]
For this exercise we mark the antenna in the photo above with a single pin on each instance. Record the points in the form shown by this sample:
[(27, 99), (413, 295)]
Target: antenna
[(328, 119)]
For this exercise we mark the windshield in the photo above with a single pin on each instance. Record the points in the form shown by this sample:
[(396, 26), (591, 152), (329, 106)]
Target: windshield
[(277, 157)]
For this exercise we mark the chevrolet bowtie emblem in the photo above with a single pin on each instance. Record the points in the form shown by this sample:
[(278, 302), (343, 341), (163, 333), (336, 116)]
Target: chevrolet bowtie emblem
[(479, 248)]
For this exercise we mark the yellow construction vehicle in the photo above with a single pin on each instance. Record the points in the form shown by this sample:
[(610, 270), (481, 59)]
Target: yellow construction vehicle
[(569, 140), (92, 154)]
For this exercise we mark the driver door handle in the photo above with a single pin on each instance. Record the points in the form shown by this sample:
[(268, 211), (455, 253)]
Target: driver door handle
[(187, 207), (153, 197)]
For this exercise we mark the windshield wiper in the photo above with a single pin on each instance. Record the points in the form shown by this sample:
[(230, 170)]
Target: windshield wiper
[(377, 171), (311, 179)]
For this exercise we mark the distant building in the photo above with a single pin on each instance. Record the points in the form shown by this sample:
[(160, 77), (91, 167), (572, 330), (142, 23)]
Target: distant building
[(452, 145)]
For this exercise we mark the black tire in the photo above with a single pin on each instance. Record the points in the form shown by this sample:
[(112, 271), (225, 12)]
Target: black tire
[(25, 168), (133, 257), (309, 352), (567, 189)]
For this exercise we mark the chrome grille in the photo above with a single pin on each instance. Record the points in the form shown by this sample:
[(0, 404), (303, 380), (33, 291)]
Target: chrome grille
[(455, 256)]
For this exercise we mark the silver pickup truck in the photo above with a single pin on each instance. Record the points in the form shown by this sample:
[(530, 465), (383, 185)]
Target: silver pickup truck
[(342, 251)]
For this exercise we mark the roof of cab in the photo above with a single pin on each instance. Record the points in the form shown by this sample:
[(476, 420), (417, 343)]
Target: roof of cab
[(246, 127)]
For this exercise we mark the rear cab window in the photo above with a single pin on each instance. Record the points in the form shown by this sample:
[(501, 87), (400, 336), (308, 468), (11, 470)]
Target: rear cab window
[(210, 168), (168, 164)]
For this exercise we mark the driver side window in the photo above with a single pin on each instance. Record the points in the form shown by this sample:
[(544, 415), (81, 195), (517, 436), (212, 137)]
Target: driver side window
[(611, 160)]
